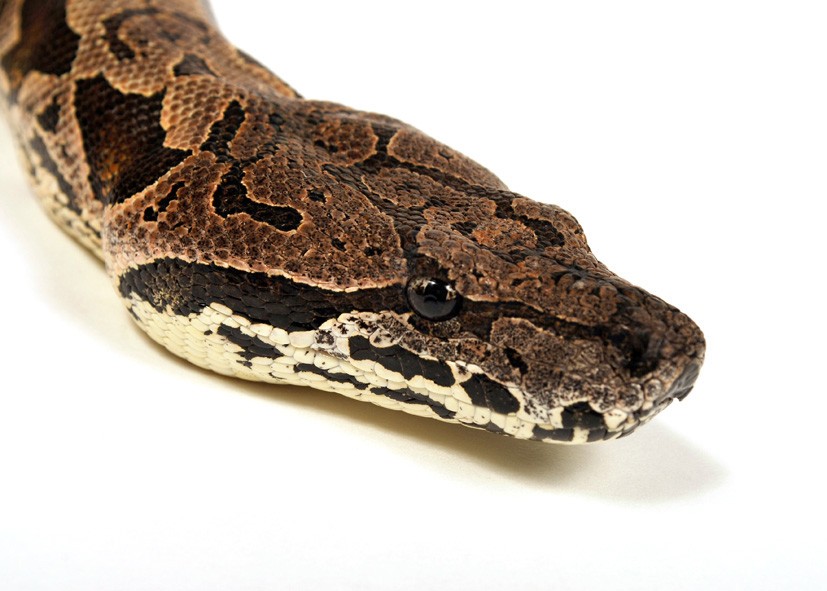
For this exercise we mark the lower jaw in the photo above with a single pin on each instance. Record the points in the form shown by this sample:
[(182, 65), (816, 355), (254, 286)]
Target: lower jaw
[(575, 435), (213, 351)]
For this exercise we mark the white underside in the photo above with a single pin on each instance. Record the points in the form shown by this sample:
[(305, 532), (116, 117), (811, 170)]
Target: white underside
[(196, 339), (56, 204)]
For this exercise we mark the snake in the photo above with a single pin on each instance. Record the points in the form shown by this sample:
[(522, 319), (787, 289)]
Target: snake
[(263, 235)]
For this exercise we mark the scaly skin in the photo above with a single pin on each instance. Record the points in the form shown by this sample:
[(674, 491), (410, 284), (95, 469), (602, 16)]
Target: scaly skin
[(275, 238)]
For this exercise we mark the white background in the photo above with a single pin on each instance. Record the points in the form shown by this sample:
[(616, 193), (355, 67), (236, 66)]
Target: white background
[(689, 139)]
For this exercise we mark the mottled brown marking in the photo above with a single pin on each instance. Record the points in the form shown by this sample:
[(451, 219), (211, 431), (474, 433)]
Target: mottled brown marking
[(123, 138), (48, 45), (166, 143), (412, 146), (49, 117), (192, 65)]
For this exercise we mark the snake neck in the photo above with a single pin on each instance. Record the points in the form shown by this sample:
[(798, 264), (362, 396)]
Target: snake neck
[(288, 240), (91, 89)]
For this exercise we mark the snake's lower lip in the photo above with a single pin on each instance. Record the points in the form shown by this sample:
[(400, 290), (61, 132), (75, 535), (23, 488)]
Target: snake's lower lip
[(679, 389)]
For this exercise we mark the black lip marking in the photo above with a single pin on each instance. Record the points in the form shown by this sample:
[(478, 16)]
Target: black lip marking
[(582, 415), (251, 346), (487, 393), (402, 361), (342, 378), (597, 435), (489, 426), (409, 397), (567, 434), (493, 428), (553, 434)]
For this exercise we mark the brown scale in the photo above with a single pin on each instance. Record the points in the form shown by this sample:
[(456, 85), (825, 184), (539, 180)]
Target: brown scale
[(177, 145)]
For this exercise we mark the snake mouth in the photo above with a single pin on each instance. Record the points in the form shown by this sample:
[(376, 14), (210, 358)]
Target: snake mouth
[(582, 424), (678, 390), (686, 381), (580, 384)]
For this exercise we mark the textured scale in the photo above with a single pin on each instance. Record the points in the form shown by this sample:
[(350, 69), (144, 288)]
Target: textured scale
[(274, 238)]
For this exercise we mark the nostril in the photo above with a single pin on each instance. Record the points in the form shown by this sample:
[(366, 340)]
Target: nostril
[(641, 351)]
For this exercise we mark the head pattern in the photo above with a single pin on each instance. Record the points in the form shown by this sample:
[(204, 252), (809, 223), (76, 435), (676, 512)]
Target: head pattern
[(483, 306), (278, 238)]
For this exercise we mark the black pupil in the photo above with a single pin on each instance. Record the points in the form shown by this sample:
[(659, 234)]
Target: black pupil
[(433, 299)]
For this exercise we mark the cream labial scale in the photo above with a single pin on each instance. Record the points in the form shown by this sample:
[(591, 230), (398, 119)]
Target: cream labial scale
[(275, 238)]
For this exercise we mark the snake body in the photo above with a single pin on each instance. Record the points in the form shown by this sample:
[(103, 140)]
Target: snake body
[(274, 238)]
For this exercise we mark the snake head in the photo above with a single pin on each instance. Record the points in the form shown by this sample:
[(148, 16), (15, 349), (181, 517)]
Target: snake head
[(364, 258), (568, 350)]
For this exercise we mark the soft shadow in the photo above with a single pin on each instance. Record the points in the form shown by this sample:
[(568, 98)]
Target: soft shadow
[(654, 465), (71, 278)]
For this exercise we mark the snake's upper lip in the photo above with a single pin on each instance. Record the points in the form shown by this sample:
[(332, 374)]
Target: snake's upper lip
[(692, 347), (684, 363), (682, 386)]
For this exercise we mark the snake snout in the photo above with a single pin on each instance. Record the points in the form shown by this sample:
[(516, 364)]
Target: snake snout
[(640, 350), (658, 351), (686, 381), (678, 354)]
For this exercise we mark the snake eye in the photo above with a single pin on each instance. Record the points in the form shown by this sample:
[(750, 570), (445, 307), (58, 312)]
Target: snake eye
[(433, 299)]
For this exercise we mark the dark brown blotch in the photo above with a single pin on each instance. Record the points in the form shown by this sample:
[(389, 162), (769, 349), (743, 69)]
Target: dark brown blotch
[(547, 233), (188, 288), (231, 198), (48, 164), (49, 45), (49, 117), (192, 65), (112, 27), (123, 139), (224, 131), (151, 213)]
